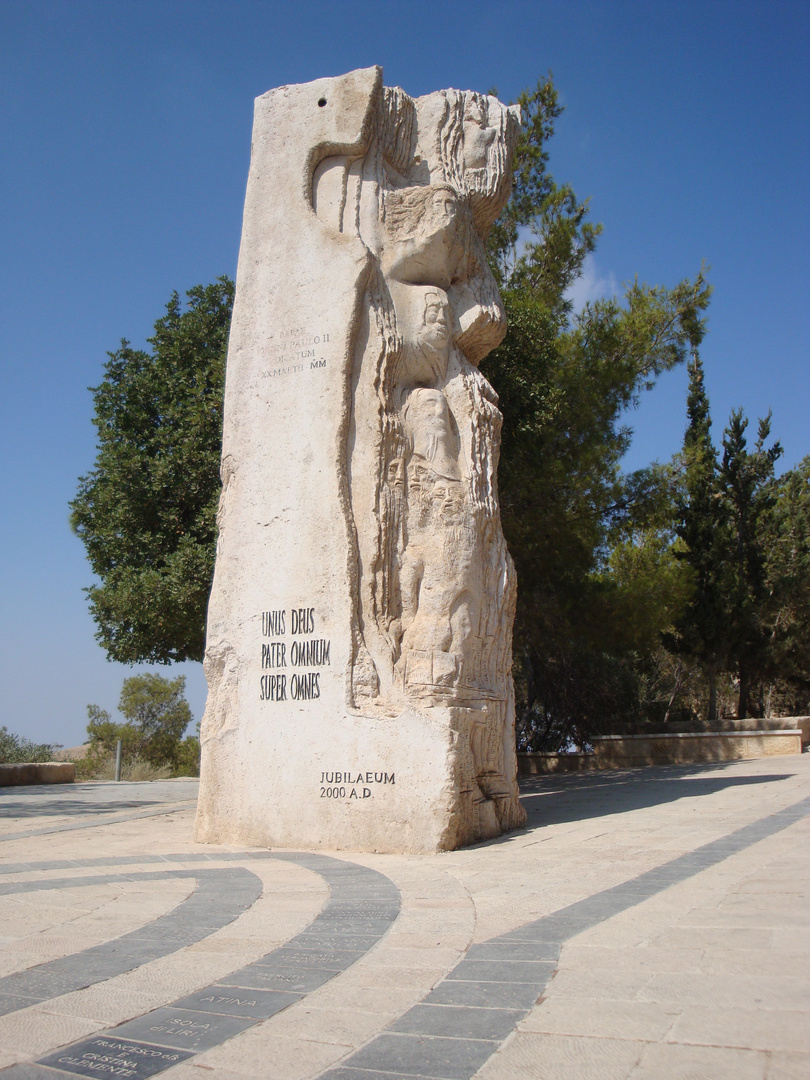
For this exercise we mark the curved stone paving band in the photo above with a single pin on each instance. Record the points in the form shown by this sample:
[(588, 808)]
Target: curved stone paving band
[(220, 897), (462, 1021), (362, 905), (447, 1036)]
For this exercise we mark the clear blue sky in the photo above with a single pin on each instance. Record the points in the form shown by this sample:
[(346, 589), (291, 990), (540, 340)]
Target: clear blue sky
[(125, 145)]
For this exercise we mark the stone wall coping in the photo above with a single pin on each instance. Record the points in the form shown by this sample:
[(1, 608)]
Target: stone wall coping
[(700, 735), (17, 773)]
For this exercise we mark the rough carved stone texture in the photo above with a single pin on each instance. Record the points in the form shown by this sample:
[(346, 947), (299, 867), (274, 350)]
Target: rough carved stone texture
[(359, 629)]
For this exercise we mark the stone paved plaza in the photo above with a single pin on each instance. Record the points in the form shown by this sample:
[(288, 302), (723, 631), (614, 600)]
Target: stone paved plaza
[(648, 923)]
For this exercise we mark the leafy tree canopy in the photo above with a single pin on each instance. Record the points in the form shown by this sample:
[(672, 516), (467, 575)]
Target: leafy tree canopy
[(565, 381), (156, 714), (147, 512)]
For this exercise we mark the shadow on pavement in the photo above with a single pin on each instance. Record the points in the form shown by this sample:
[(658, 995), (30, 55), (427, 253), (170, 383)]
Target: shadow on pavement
[(70, 807), (553, 800)]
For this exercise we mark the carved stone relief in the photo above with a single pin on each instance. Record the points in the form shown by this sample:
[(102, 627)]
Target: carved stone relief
[(366, 216), (435, 598)]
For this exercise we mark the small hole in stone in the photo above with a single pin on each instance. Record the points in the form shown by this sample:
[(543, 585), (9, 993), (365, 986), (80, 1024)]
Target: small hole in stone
[(322, 102)]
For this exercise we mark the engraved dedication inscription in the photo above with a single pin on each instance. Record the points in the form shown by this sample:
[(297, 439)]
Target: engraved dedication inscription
[(361, 614)]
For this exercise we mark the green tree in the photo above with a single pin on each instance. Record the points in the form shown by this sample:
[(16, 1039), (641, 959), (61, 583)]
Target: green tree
[(787, 548), (158, 710), (103, 733), (564, 383), (147, 512), (701, 632), (747, 485), (156, 714)]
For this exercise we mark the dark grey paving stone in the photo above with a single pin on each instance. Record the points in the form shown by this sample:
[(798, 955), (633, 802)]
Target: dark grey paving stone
[(9, 1003), (486, 995), (299, 981), (234, 1001), (336, 959), (507, 971), (381, 908), (552, 928), (422, 1055), (458, 1021), (107, 1055), (342, 943), (528, 951), (40, 985), (344, 927), (181, 1029)]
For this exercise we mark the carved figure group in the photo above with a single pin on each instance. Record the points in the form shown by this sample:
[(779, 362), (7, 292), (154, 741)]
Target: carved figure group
[(434, 583)]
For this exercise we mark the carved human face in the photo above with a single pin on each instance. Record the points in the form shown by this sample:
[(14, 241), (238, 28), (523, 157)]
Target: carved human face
[(477, 136), (448, 502), (445, 204), (396, 474), (436, 326), (428, 411)]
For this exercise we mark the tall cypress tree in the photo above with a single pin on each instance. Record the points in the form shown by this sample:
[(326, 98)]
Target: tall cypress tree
[(702, 631), (747, 486)]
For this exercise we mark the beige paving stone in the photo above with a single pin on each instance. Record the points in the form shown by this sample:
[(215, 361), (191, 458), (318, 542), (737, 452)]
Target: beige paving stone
[(426, 939), (746, 1028), (674, 1062), (598, 1017), (33, 1032), (786, 1066), (106, 1004), (646, 958), (527, 1056), (738, 991), (257, 1052), (612, 984), (389, 1000), (765, 962), (449, 900), (719, 937), (346, 1027), (384, 976), (435, 959), (196, 1070), (796, 940)]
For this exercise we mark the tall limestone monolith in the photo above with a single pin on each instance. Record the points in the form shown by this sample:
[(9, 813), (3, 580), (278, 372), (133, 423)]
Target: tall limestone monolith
[(359, 630)]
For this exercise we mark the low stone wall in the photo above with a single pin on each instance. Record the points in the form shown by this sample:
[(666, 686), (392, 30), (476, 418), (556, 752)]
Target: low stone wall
[(803, 724), (541, 764), (674, 748), (619, 751), (38, 772)]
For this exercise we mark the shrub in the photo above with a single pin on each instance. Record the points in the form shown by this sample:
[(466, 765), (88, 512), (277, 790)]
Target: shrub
[(15, 749)]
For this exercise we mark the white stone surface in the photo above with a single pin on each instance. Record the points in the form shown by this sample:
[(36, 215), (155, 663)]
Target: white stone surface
[(359, 630)]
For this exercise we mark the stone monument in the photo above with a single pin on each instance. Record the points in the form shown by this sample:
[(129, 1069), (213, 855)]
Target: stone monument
[(359, 630)]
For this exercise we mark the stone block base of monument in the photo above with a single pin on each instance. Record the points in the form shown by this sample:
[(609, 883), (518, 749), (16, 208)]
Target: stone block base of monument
[(405, 784), (358, 648)]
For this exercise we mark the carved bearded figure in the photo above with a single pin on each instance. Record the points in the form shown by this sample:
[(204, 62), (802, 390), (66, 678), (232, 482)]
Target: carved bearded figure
[(359, 517), (435, 595)]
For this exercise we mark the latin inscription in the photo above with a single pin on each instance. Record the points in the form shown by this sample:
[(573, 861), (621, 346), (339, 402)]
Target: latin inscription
[(305, 650), (353, 785), (297, 350)]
